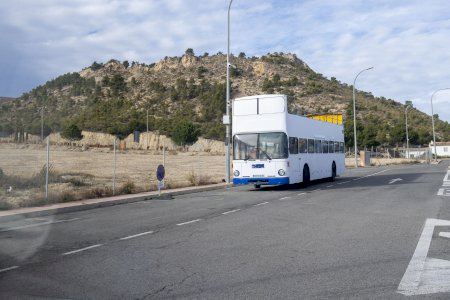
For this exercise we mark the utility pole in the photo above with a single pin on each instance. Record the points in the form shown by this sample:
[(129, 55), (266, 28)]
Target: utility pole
[(432, 121), (354, 116), (227, 118), (406, 125), (42, 123)]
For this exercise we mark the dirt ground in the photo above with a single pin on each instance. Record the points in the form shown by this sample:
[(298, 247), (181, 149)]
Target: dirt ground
[(96, 166), (89, 174)]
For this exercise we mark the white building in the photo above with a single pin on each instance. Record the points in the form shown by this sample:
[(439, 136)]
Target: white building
[(442, 149)]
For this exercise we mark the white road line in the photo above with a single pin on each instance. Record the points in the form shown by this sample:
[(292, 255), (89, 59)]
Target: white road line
[(82, 249), (188, 222), (8, 269), (301, 194), (426, 275), (444, 234), (373, 174), (447, 176), (39, 224), (440, 192), (316, 190), (284, 198), (395, 180), (136, 235), (328, 186), (231, 211), (262, 203)]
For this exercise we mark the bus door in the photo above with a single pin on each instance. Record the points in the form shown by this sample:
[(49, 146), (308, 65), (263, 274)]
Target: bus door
[(295, 160)]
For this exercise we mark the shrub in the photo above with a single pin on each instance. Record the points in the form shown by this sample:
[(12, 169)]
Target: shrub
[(71, 132), (128, 188), (185, 133)]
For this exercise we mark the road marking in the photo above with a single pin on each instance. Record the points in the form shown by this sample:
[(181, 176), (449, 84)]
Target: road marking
[(445, 234), (231, 211), (38, 224), (8, 269), (284, 198), (262, 203), (188, 222), (301, 194), (328, 186), (447, 176), (376, 173), (426, 275), (444, 192), (82, 249), (395, 180), (136, 235)]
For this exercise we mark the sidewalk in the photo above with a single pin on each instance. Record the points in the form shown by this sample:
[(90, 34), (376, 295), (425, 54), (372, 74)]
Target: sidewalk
[(52, 209)]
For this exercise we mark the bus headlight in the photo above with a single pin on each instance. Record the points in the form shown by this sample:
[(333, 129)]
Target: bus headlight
[(281, 172), (236, 173)]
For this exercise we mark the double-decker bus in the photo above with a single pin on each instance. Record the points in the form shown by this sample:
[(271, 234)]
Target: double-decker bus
[(273, 147)]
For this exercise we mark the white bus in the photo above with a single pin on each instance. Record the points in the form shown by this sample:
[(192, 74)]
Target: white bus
[(273, 147)]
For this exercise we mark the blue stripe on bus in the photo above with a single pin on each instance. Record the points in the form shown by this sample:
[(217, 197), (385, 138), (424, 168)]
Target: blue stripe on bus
[(266, 180)]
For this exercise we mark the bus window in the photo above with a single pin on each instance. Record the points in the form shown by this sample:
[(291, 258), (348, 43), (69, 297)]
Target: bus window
[(310, 146), (336, 147), (293, 145), (325, 146), (331, 147), (302, 145), (317, 146), (341, 144), (260, 146)]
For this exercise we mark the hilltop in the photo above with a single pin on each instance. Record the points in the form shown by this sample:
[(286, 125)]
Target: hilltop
[(114, 97)]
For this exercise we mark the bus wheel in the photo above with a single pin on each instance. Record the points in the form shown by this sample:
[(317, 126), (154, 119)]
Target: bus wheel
[(333, 171), (257, 186), (306, 176)]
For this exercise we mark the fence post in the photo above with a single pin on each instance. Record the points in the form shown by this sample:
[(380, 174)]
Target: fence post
[(47, 168), (114, 168)]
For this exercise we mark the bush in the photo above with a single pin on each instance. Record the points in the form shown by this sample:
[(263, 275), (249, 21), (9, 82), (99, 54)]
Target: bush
[(71, 132), (128, 188), (185, 133)]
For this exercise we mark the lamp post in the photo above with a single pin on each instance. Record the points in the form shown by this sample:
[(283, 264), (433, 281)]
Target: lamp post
[(354, 116), (406, 127), (227, 119), (432, 121)]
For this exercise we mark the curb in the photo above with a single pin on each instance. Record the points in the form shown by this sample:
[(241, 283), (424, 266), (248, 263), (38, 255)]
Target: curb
[(81, 205)]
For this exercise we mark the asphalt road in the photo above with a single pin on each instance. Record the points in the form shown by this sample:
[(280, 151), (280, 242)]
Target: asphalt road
[(362, 236)]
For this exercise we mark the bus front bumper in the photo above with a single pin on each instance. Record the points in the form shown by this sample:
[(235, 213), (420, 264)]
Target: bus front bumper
[(262, 181)]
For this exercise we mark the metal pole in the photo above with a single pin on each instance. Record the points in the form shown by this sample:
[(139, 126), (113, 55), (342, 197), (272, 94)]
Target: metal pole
[(407, 136), (114, 169), (147, 129), (432, 122), (47, 168), (354, 117), (228, 127), (42, 124)]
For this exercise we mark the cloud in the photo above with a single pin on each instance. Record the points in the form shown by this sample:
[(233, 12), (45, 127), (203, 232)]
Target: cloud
[(406, 41)]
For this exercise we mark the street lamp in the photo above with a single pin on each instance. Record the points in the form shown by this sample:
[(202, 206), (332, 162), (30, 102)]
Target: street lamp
[(354, 117), (406, 126), (227, 118), (432, 121)]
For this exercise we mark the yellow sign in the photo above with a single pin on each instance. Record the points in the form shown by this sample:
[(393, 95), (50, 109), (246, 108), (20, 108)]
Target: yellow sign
[(330, 118)]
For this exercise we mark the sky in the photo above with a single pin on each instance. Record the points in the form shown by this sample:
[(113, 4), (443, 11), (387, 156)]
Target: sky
[(407, 42)]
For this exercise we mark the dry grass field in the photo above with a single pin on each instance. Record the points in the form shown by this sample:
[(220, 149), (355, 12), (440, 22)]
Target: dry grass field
[(77, 174), (86, 174)]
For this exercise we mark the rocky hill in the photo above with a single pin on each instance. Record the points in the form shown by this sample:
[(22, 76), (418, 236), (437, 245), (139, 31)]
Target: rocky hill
[(115, 97)]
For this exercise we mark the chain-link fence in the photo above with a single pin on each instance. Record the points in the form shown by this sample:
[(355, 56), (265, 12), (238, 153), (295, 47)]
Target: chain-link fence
[(76, 172)]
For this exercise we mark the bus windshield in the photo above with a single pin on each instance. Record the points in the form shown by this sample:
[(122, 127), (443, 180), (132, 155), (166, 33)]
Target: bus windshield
[(252, 146)]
